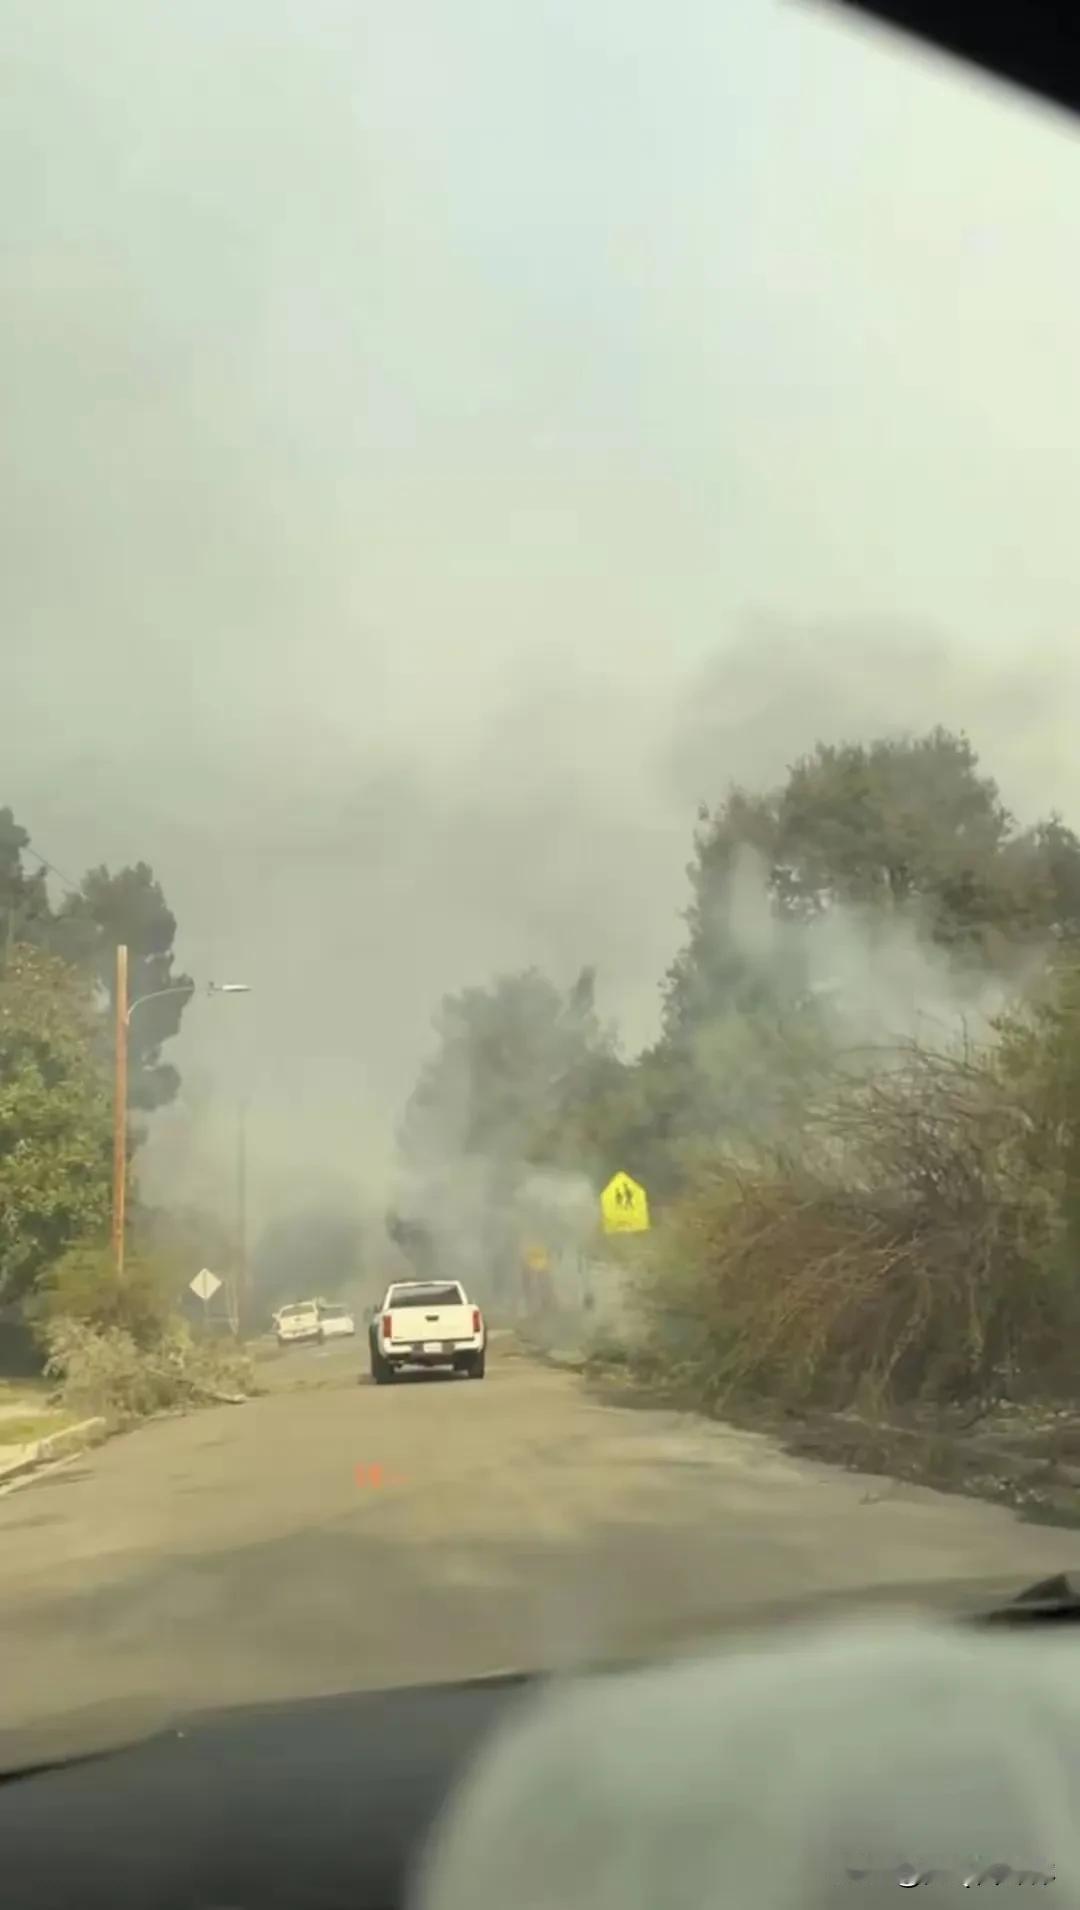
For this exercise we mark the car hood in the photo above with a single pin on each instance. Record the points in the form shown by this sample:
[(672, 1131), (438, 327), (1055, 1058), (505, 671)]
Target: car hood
[(64, 1735)]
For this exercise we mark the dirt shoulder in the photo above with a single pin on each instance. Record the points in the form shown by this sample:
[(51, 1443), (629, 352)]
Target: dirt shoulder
[(1022, 1455)]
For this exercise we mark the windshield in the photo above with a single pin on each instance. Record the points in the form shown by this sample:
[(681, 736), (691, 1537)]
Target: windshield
[(539, 761)]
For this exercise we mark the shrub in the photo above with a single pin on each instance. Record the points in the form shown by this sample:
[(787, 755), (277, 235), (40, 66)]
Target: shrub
[(85, 1286), (908, 1253), (105, 1371)]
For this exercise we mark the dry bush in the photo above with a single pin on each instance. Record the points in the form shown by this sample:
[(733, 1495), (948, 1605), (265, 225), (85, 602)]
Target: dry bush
[(104, 1371), (85, 1285), (908, 1253)]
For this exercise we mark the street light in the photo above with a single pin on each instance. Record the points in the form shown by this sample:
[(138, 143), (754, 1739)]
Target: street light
[(124, 1012)]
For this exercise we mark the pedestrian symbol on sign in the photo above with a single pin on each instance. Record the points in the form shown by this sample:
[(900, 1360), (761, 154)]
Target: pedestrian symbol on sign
[(624, 1206)]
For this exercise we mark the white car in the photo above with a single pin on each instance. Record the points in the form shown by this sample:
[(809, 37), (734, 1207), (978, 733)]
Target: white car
[(427, 1323), (298, 1324), (336, 1321)]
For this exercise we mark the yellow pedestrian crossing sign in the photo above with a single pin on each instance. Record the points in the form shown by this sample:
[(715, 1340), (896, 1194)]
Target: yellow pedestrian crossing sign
[(624, 1206)]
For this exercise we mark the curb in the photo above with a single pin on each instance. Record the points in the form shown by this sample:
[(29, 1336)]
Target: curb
[(57, 1445)]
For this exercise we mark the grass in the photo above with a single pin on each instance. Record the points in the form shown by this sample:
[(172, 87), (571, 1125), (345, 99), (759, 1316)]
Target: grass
[(27, 1427), (26, 1411), (14, 1391)]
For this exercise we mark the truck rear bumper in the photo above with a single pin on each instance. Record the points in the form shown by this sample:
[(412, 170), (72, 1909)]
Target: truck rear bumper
[(445, 1354)]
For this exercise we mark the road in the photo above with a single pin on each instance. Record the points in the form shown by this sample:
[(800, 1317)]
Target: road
[(245, 1551)]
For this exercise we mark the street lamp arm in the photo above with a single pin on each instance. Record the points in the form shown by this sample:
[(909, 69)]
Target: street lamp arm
[(156, 995)]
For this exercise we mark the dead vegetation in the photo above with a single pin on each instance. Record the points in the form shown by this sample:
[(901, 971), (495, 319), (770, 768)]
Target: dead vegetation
[(912, 1250), (106, 1372)]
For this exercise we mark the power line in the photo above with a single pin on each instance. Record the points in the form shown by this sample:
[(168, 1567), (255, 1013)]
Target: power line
[(19, 913), (71, 887)]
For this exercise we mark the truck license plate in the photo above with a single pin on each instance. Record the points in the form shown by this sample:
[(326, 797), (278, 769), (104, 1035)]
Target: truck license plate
[(433, 1346)]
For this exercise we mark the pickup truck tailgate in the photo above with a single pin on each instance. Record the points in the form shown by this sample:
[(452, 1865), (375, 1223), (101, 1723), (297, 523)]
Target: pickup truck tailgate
[(419, 1326)]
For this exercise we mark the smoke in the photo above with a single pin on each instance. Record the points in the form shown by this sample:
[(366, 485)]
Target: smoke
[(316, 1249), (410, 517), (792, 997), (873, 972), (473, 1219), (838, 993)]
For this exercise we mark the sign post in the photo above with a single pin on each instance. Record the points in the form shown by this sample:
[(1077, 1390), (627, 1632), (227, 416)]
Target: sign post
[(204, 1286)]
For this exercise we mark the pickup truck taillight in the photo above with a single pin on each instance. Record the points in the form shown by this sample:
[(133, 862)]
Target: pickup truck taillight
[(476, 1319), (387, 1325)]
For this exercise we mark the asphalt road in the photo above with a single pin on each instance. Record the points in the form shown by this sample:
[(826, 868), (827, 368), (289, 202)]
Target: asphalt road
[(250, 1552)]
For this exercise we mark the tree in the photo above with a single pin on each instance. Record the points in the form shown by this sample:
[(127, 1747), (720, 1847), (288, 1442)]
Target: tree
[(872, 847), (55, 1117), (507, 1056), (901, 835), (129, 907), (1048, 858), (490, 1109), (905, 838), (895, 822), (25, 914), (889, 828), (126, 907), (85, 1285)]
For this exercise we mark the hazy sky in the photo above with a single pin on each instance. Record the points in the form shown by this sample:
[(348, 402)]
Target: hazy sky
[(445, 441)]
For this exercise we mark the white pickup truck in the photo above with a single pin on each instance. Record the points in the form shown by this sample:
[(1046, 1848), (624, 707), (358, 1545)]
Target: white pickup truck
[(296, 1324), (426, 1323)]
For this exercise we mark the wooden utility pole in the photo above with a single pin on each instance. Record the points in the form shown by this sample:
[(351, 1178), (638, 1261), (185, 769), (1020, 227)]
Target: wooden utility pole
[(120, 1109), (241, 1219)]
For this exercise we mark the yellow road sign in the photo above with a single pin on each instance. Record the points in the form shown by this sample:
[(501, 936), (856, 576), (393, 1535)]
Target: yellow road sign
[(624, 1206)]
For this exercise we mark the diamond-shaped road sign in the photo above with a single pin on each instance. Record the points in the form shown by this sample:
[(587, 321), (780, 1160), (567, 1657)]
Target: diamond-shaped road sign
[(624, 1206), (205, 1284)]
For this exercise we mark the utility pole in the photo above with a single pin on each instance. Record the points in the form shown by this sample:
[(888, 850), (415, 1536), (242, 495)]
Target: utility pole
[(241, 1218), (120, 1108)]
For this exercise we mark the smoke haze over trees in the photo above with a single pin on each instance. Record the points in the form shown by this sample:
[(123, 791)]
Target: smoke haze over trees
[(882, 894), (411, 518)]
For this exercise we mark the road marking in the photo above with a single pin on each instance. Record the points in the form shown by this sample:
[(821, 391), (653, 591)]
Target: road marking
[(374, 1475)]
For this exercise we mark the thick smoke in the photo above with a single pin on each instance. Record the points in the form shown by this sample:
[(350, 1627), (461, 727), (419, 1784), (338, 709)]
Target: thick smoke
[(873, 973), (411, 518)]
